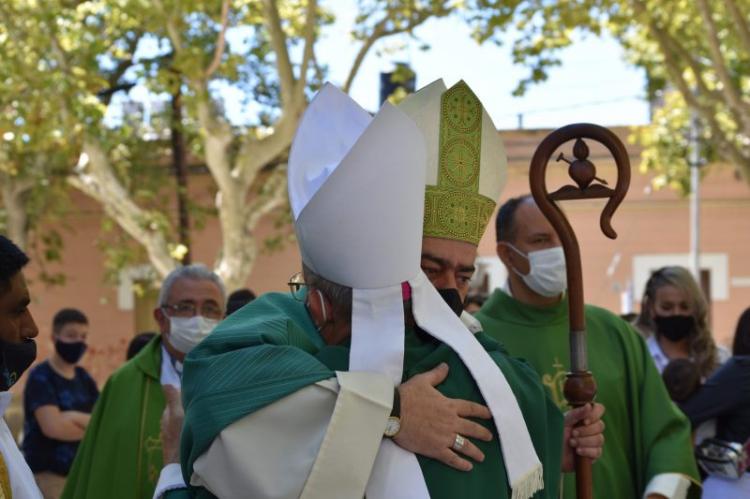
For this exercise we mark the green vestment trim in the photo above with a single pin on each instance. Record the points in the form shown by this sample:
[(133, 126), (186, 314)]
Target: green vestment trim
[(270, 349), (120, 456), (454, 209), (645, 433)]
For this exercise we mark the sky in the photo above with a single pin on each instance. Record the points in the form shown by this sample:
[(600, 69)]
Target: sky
[(594, 83)]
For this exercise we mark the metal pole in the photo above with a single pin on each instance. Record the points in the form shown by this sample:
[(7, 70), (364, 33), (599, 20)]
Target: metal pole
[(695, 195)]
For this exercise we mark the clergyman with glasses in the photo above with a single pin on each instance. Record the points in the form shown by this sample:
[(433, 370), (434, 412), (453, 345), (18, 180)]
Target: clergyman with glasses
[(121, 454)]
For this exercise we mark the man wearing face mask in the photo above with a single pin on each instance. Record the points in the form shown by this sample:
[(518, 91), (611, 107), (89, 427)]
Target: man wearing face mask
[(121, 453), (58, 398), (649, 451), (17, 352)]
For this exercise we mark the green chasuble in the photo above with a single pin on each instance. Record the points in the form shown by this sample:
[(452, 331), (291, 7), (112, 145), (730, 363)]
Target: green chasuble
[(645, 433), (270, 348), (120, 455)]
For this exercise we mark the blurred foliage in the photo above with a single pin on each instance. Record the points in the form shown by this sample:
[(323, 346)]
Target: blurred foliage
[(696, 55), (74, 75)]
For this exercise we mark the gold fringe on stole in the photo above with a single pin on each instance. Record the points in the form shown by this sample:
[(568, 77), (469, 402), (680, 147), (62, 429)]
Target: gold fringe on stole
[(529, 484), (5, 490)]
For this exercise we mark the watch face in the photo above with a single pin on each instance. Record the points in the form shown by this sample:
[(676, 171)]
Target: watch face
[(392, 426)]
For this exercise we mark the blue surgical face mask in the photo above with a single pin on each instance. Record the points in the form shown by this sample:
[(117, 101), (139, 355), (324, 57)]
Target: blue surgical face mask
[(547, 275)]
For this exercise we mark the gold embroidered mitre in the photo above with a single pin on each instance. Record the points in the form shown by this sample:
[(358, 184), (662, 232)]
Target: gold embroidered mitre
[(466, 163)]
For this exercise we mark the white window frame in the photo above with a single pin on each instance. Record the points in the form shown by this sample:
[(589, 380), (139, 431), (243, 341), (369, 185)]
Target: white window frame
[(127, 277)]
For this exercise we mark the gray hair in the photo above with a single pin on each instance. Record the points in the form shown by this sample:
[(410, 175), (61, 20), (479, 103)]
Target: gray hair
[(340, 296), (195, 271)]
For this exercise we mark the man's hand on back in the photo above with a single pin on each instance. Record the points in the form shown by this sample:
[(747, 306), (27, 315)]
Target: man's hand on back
[(430, 421)]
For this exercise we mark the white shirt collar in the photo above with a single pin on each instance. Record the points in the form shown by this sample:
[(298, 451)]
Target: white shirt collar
[(660, 358), (171, 369)]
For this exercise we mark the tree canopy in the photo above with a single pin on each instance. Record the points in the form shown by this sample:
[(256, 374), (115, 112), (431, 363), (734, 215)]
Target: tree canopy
[(696, 55), (68, 65)]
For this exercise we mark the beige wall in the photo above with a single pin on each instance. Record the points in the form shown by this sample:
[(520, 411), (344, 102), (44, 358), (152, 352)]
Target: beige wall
[(647, 223)]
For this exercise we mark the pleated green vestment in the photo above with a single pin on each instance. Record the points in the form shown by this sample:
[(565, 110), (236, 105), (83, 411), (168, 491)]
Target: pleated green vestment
[(270, 348)]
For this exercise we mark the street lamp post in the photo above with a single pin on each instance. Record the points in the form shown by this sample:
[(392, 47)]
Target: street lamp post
[(695, 163)]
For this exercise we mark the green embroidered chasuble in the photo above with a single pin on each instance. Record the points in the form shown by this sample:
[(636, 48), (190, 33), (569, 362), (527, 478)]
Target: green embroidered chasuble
[(270, 348), (120, 455), (645, 433)]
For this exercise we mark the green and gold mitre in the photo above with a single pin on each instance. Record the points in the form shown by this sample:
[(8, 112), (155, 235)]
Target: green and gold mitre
[(466, 162)]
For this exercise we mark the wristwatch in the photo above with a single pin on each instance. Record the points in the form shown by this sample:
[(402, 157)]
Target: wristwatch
[(393, 425)]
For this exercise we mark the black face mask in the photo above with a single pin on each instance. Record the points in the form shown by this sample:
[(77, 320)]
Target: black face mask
[(15, 358), (70, 352), (453, 299), (675, 327)]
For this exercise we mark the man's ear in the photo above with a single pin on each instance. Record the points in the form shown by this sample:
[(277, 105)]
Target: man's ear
[(511, 259), (162, 320), (315, 303)]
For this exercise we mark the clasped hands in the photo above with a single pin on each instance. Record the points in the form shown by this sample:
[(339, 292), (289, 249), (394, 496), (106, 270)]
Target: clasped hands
[(430, 422)]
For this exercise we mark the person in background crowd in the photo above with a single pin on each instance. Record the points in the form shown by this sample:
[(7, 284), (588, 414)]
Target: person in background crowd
[(682, 379), (474, 302), (726, 397), (58, 399), (649, 450), (674, 320), (17, 352), (120, 456), (238, 299), (138, 342)]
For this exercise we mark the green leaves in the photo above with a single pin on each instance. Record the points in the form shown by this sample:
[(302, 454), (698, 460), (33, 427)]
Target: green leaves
[(696, 54)]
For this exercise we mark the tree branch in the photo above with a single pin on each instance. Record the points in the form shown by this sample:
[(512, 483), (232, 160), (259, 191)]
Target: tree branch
[(278, 43), (379, 31), (120, 69), (172, 31), (309, 54), (740, 20), (674, 69), (735, 103), (220, 42), (272, 197), (97, 180)]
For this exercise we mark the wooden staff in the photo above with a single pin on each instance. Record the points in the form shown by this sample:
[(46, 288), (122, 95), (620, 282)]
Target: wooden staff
[(580, 387)]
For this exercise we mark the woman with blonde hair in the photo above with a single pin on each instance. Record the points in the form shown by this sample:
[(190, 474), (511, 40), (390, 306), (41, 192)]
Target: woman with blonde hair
[(674, 320)]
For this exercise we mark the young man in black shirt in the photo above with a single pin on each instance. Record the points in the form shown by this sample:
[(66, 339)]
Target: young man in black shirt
[(58, 400)]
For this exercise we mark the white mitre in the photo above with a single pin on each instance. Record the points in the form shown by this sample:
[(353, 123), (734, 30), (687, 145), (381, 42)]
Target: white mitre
[(356, 187)]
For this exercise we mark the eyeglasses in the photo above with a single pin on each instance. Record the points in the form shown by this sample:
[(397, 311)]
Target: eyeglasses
[(186, 309), (296, 283)]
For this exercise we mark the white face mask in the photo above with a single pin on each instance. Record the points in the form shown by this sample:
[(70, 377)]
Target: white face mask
[(186, 332), (547, 275)]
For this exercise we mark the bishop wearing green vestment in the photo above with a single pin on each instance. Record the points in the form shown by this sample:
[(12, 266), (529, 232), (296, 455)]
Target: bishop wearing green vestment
[(295, 397), (648, 445)]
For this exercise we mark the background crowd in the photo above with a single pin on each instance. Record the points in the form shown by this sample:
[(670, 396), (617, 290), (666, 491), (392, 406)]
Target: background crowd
[(708, 382)]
